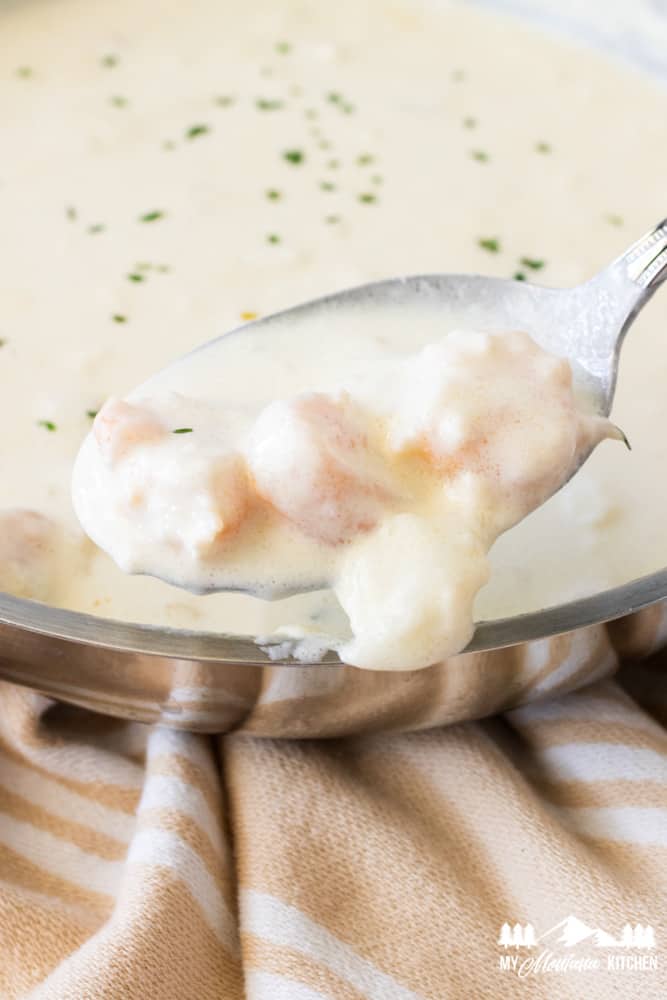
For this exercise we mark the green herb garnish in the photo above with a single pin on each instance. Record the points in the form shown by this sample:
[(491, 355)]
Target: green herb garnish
[(273, 238), (169, 144), (151, 216), (134, 276), (48, 425), (273, 195), (333, 164), (24, 72), (119, 318), (283, 48), (519, 276), (543, 147), (97, 227), (118, 102), (2, 341), (376, 179), (223, 101), (533, 263), (91, 414), (196, 130), (109, 61), (489, 243), (334, 98), (182, 430), (458, 75), (294, 156), (311, 114), (365, 159), (480, 155), (367, 198), (469, 122), (71, 213), (327, 186), (332, 220), (268, 104)]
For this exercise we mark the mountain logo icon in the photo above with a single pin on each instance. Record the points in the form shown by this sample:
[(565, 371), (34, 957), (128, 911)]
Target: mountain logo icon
[(571, 931)]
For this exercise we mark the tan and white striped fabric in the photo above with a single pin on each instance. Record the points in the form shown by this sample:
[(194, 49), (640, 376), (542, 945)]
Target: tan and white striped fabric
[(141, 862)]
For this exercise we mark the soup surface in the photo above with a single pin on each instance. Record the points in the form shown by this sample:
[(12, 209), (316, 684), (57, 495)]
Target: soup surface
[(169, 171)]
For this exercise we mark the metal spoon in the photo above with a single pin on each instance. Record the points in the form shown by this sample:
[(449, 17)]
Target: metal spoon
[(585, 324)]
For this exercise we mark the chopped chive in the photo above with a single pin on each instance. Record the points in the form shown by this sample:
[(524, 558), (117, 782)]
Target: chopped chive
[(169, 144), (273, 195), (376, 179), (223, 100), (48, 425), (118, 102), (367, 198), (163, 268), (133, 276), (196, 130), (543, 147), (489, 243), (119, 318), (268, 104), (327, 186), (283, 48), (332, 220), (519, 276), (324, 144), (480, 155), (333, 97), (109, 61), (273, 238), (24, 72), (91, 414), (2, 341), (533, 263), (311, 114), (365, 159), (182, 430), (469, 122), (97, 227), (347, 108), (333, 164), (151, 216), (458, 75), (71, 213), (294, 156)]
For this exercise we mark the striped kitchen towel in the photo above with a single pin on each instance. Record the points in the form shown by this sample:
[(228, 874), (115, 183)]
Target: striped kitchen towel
[(520, 855)]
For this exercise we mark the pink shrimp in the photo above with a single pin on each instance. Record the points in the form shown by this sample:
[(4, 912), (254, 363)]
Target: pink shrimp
[(311, 459), (120, 426)]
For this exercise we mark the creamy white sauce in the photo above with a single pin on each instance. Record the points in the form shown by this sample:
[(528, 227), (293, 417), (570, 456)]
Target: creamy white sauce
[(388, 486), (413, 116)]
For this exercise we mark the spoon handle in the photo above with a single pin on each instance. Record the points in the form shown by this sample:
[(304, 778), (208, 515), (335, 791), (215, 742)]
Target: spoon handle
[(646, 260)]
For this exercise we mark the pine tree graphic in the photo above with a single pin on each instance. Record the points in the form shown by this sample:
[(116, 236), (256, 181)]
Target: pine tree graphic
[(517, 935), (505, 938)]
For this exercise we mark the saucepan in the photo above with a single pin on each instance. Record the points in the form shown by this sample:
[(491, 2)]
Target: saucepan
[(212, 682)]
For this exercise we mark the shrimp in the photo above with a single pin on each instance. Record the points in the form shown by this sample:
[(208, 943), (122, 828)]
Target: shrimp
[(311, 459), (30, 547), (120, 427)]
